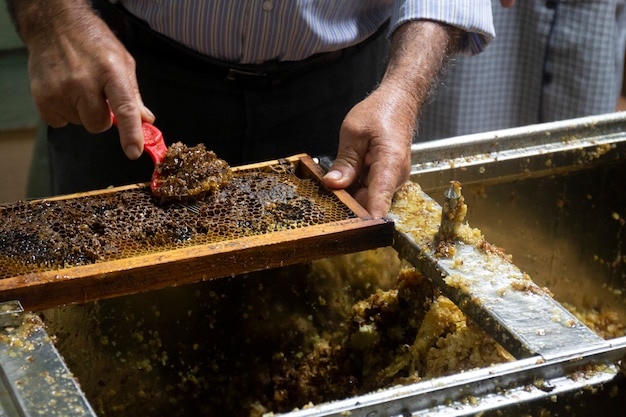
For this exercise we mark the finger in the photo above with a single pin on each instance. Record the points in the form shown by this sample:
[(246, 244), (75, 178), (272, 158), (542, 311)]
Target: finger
[(128, 112), (376, 203), (56, 116), (344, 171), (347, 166), (375, 191), (360, 195), (94, 115), (53, 118), (81, 104), (129, 126), (378, 196), (507, 3), (386, 174)]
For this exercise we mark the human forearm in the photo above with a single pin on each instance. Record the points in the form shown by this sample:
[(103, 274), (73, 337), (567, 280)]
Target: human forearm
[(419, 52)]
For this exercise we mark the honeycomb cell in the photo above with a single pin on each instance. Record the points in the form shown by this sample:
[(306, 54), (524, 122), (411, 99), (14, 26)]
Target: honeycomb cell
[(56, 234)]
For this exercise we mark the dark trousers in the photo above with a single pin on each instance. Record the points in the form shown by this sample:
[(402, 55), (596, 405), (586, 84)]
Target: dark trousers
[(242, 123)]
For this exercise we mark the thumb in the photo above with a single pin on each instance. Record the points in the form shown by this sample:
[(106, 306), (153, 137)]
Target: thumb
[(343, 172)]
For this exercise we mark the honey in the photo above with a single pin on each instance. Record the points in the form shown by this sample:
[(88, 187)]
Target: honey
[(190, 173)]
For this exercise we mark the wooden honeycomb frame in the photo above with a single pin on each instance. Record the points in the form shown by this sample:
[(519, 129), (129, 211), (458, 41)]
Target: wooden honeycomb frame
[(200, 262)]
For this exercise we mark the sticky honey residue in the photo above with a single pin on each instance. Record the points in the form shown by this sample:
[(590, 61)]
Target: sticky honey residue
[(421, 217), (606, 324), (406, 334), (453, 213), (282, 339), (272, 341), (444, 234), (190, 173), (600, 150), (19, 336)]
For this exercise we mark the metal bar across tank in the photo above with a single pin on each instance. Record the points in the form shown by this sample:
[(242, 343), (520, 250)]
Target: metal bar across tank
[(489, 288)]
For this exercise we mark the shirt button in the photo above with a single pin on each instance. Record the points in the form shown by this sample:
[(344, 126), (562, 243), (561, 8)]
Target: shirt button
[(268, 5)]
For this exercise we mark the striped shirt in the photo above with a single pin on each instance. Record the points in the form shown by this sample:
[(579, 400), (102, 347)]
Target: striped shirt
[(255, 31), (551, 61)]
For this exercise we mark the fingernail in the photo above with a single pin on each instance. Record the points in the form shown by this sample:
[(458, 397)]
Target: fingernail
[(132, 152), (333, 175)]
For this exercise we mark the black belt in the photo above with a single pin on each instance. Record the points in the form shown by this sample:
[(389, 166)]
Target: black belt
[(138, 35)]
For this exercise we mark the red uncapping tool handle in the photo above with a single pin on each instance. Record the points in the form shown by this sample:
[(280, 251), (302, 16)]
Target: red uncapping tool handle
[(153, 142)]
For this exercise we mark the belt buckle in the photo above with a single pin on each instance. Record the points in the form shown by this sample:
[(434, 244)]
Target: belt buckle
[(235, 74), (249, 78)]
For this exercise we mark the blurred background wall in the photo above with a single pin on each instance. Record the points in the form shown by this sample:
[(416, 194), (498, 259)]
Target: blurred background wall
[(18, 116)]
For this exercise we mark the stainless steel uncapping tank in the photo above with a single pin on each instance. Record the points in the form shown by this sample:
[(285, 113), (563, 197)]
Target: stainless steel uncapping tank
[(551, 195)]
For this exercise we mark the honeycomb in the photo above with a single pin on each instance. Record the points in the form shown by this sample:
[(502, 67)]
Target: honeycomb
[(189, 173), (56, 234)]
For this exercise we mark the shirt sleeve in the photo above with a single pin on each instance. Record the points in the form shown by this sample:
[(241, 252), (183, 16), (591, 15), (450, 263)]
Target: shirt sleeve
[(472, 16)]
